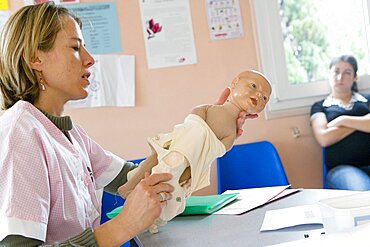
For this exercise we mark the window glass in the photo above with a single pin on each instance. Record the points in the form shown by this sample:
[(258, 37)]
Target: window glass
[(297, 40), (315, 31)]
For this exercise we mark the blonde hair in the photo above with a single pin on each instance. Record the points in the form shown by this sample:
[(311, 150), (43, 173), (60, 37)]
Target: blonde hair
[(31, 29)]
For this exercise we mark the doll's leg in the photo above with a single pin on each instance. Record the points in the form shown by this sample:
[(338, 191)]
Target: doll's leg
[(174, 163)]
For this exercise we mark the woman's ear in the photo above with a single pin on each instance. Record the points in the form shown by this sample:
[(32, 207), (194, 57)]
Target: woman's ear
[(37, 62)]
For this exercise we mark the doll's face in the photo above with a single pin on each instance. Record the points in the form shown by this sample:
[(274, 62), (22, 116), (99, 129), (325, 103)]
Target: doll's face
[(250, 91)]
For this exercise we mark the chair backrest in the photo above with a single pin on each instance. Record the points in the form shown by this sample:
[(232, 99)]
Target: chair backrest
[(324, 171), (250, 165)]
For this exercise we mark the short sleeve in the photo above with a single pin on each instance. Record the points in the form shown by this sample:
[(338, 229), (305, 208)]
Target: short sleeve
[(317, 110), (24, 183), (317, 107), (367, 96)]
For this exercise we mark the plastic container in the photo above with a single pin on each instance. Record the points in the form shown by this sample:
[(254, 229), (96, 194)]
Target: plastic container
[(345, 212)]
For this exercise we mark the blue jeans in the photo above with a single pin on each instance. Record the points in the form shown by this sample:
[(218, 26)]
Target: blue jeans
[(346, 177)]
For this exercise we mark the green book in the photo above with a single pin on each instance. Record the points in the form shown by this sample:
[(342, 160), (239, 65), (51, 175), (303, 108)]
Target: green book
[(207, 204)]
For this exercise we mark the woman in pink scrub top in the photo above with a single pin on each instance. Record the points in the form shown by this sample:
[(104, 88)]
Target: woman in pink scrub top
[(50, 169)]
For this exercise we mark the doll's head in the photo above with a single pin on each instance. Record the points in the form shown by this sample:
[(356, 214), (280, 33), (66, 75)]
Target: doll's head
[(250, 91)]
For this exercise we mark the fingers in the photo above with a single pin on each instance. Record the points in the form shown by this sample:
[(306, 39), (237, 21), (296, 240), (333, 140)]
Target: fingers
[(162, 187), (156, 183), (241, 120), (223, 97), (154, 179)]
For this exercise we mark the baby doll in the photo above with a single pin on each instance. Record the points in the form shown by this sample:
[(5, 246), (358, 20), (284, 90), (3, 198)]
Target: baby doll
[(207, 133)]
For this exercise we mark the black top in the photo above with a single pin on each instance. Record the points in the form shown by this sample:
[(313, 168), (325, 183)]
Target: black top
[(355, 148)]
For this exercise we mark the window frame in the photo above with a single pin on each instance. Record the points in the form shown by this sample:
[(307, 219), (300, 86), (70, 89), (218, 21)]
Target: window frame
[(271, 59)]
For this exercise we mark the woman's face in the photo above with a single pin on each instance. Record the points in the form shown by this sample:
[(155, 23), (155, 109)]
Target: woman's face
[(65, 67), (341, 78)]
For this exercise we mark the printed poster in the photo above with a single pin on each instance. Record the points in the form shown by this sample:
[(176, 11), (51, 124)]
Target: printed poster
[(99, 26), (4, 16), (33, 2), (224, 19), (168, 33), (112, 82)]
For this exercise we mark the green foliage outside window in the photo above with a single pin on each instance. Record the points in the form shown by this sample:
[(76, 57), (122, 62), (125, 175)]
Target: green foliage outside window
[(308, 50)]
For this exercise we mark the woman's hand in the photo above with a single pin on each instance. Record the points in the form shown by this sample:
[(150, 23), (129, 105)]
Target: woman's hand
[(242, 115), (136, 175), (338, 122), (144, 204), (359, 123), (142, 207)]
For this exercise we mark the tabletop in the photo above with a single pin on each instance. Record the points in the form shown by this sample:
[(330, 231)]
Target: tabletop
[(235, 230)]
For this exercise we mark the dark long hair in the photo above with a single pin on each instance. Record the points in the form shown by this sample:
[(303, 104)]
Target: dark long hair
[(352, 61)]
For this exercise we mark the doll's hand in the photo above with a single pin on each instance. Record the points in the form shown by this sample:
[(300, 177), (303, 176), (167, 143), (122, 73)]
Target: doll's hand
[(242, 115)]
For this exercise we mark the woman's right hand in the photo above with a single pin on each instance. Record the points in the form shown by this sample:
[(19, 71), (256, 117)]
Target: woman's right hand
[(144, 204), (142, 207)]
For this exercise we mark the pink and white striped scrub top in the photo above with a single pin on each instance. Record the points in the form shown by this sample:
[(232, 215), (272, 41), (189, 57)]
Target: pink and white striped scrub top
[(48, 184)]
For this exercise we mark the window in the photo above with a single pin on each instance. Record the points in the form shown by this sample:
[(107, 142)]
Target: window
[(298, 38)]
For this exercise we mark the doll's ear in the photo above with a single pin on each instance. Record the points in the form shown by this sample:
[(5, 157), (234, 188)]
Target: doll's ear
[(234, 82)]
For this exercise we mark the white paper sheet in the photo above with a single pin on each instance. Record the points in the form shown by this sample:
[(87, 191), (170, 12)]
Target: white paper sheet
[(249, 199), (292, 216), (112, 82), (4, 16), (356, 237), (33, 2), (168, 33)]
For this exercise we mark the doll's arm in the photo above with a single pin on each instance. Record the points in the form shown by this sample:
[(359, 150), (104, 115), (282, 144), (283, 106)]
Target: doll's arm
[(136, 175), (201, 111)]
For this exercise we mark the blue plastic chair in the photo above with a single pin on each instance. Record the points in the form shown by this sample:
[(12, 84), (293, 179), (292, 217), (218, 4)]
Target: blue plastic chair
[(324, 171), (110, 202), (250, 165)]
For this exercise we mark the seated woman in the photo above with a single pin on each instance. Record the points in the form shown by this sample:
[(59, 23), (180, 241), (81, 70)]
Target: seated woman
[(341, 125)]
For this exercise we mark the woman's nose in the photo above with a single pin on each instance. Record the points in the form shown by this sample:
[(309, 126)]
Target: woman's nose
[(88, 59)]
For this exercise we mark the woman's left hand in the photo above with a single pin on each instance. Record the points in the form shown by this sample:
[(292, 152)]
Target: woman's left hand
[(338, 122)]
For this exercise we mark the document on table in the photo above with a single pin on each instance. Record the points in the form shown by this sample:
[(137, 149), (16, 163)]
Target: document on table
[(249, 199), (292, 216), (358, 236)]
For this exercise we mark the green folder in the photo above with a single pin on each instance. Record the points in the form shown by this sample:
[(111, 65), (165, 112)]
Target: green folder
[(207, 204), (114, 212), (196, 204)]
